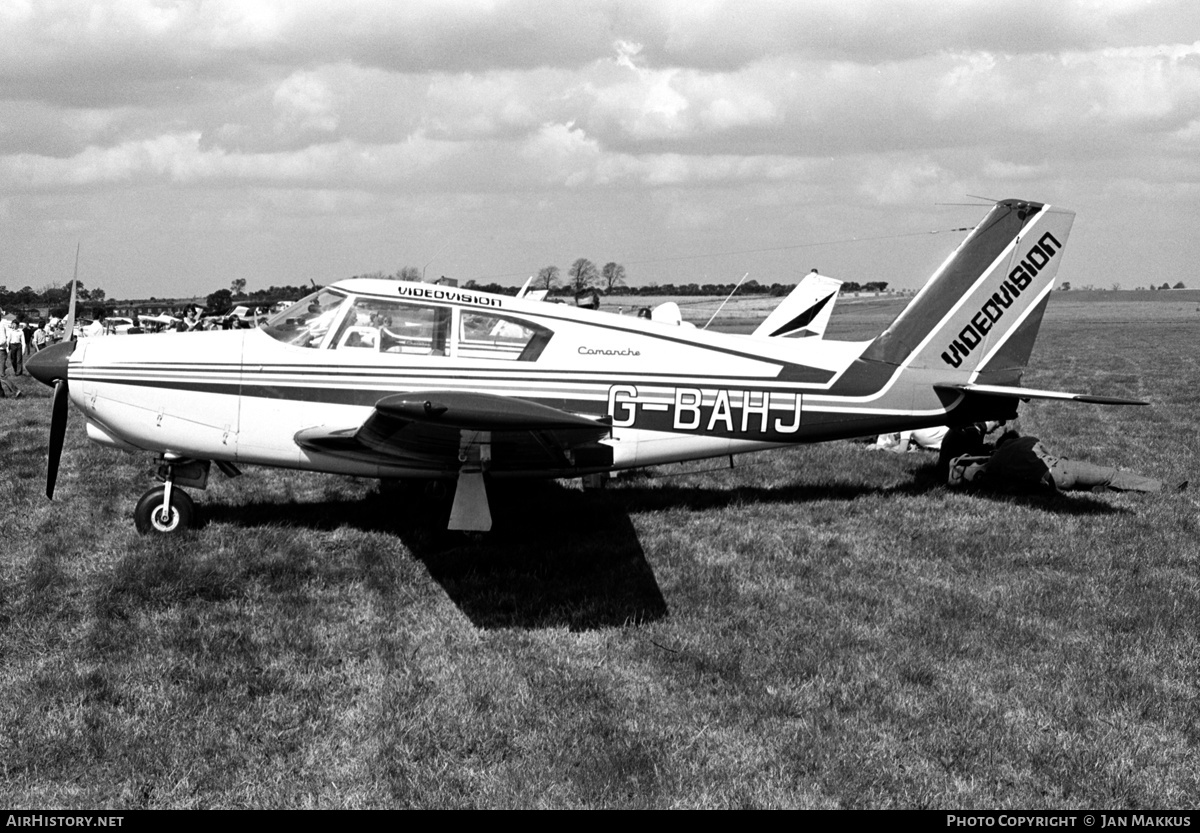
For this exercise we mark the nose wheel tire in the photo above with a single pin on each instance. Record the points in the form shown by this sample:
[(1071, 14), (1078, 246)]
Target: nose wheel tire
[(149, 516)]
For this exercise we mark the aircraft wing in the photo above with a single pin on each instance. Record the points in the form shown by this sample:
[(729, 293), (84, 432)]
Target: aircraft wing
[(444, 430), (1033, 393)]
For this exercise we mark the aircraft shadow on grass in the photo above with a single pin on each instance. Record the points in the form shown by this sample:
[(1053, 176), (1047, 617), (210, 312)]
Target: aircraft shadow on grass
[(561, 557), (554, 558)]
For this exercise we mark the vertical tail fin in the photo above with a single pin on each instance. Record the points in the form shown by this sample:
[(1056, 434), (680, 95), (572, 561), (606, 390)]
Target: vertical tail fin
[(978, 316)]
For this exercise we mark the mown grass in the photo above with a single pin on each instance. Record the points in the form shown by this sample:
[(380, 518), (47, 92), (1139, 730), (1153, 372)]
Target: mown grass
[(820, 627)]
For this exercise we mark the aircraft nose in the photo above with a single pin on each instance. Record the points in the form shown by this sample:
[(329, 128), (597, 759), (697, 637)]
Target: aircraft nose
[(50, 364)]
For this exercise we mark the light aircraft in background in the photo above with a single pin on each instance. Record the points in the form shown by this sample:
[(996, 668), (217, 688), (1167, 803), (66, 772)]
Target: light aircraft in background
[(805, 312), (388, 379), (158, 323)]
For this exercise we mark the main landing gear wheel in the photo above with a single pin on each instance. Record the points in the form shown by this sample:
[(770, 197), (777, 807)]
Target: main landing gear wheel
[(150, 517)]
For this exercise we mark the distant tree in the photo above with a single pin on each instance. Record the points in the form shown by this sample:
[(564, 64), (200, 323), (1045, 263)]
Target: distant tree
[(409, 273), (612, 277), (493, 288), (1066, 285), (548, 277), (98, 295), (875, 286), (238, 287), (582, 275), (219, 301), (1179, 286), (51, 294), (1165, 285)]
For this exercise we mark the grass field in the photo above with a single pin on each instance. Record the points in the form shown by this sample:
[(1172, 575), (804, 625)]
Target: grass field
[(819, 627)]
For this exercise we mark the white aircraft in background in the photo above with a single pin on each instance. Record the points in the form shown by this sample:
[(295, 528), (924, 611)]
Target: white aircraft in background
[(805, 312), (387, 379)]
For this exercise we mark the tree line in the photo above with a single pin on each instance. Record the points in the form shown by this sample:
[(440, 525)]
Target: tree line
[(583, 277), (48, 296), (611, 279)]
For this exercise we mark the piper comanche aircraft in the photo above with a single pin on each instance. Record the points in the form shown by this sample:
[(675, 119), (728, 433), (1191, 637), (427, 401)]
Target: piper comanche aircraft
[(387, 379)]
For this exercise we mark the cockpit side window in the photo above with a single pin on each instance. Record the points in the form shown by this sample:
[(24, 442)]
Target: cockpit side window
[(397, 327)]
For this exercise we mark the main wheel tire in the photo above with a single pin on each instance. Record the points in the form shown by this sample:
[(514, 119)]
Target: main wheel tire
[(148, 516)]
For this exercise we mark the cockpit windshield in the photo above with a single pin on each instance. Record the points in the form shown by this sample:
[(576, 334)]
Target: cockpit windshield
[(306, 322)]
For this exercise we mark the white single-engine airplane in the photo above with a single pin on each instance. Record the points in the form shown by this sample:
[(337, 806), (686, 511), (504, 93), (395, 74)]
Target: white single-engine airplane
[(388, 379)]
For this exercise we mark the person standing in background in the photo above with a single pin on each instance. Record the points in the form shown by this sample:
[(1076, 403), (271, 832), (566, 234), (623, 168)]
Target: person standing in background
[(15, 347)]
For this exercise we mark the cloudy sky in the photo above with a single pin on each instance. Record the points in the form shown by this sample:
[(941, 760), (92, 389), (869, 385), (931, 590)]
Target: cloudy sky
[(188, 144)]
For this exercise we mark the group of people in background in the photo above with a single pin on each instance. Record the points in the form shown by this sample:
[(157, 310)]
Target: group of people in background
[(20, 340), (968, 458), (1022, 463), (194, 320)]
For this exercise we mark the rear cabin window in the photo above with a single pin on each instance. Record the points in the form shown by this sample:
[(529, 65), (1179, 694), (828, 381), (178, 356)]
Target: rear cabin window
[(484, 335)]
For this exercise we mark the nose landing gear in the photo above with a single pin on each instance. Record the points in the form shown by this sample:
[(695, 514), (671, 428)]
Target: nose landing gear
[(167, 509), (164, 510)]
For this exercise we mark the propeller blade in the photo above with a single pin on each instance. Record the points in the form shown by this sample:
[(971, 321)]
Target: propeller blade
[(58, 432), (69, 325)]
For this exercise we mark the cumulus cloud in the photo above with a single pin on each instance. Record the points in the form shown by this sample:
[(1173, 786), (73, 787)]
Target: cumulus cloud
[(876, 103), (303, 101)]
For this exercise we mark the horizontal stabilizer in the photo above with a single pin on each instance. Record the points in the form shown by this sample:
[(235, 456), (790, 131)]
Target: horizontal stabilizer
[(1032, 393)]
